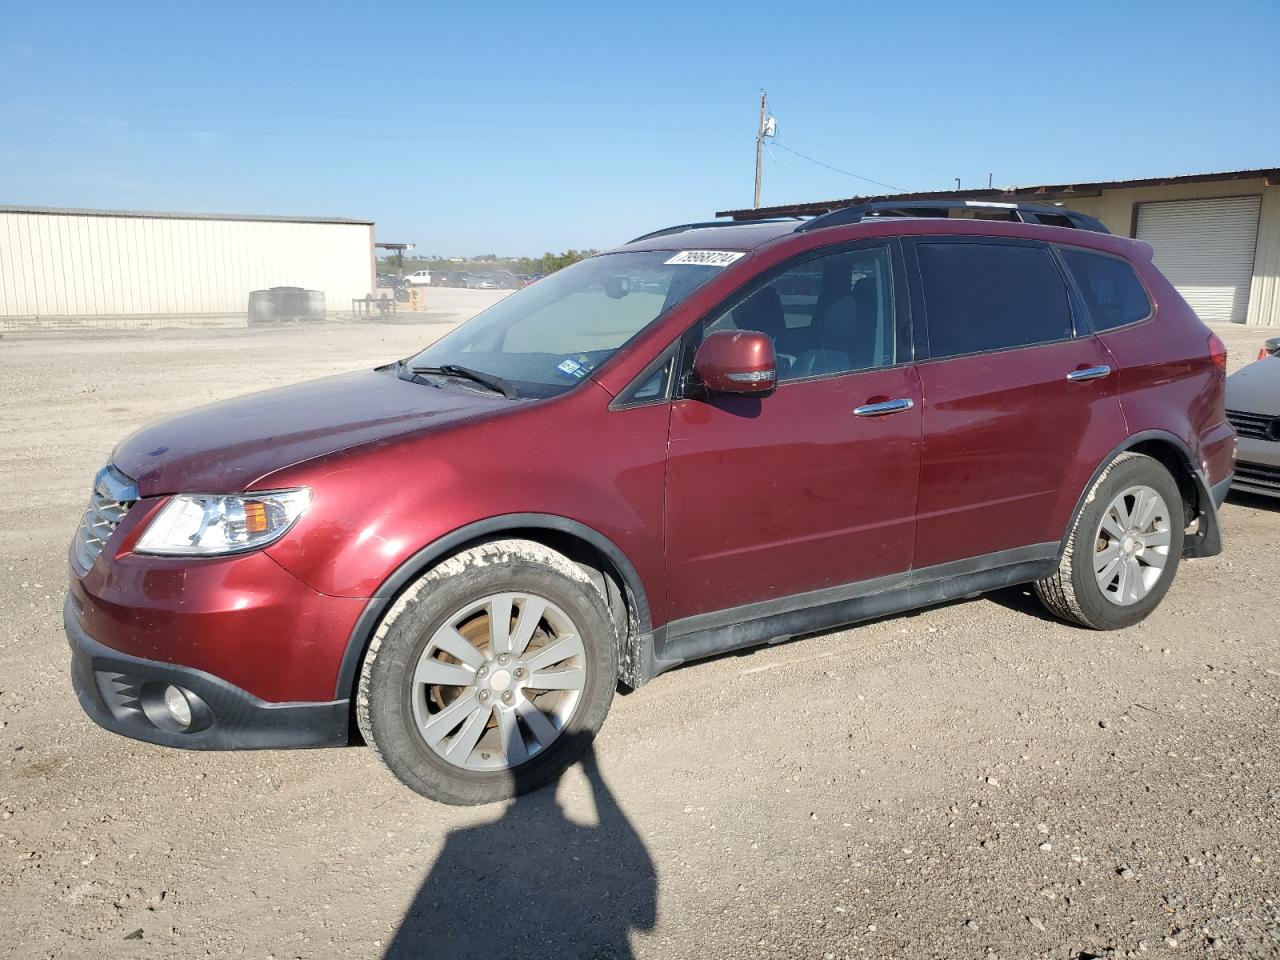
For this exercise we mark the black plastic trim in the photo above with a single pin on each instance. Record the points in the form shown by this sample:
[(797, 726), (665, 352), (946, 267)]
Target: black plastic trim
[(429, 555), (225, 716), (773, 621)]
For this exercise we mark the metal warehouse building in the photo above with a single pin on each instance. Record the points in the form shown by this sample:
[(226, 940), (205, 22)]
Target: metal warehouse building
[(1216, 236), (62, 264)]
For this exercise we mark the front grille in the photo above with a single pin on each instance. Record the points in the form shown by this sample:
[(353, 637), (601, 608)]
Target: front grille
[(113, 495), (1259, 477), (1255, 426)]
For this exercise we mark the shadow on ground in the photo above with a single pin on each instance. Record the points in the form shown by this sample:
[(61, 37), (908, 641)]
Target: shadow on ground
[(535, 884), (1254, 501)]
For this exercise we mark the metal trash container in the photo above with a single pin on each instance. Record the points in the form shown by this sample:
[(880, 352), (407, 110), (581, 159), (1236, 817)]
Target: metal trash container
[(285, 303)]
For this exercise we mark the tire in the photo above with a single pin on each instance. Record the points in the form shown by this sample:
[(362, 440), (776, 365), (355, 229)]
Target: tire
[(1074, 592), (453, 605)]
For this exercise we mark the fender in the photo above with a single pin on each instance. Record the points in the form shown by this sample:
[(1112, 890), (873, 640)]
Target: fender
[(1207, 542), (429, 555)]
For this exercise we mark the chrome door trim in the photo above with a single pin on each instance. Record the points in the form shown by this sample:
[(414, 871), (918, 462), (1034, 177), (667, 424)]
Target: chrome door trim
[(887, 406), (1089, 373)]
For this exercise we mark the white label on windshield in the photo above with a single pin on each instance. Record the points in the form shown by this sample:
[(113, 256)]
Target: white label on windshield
[(707, 258)]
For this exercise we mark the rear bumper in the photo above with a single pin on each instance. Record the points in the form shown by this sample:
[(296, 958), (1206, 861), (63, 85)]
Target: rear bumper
[(125, 694)]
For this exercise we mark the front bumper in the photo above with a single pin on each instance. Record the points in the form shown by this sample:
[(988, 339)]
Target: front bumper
[(125, 694), (1258, 467), (1259, 478)]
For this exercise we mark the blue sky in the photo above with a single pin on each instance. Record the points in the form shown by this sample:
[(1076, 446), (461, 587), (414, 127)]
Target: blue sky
[(518, 128)]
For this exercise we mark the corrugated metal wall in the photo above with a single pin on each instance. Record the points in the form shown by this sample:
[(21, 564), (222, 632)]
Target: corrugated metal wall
[(1116, 209), (89, 265)]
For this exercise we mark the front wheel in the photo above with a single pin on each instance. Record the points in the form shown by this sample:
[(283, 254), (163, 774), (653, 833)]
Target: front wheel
[(1123, 550), (490, 675)]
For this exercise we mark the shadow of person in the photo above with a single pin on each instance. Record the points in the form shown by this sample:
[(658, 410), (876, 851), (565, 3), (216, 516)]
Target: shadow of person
[(535, 884)]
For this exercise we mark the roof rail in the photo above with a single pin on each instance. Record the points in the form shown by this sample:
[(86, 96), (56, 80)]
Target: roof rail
[(1018, 212), (682, 227)]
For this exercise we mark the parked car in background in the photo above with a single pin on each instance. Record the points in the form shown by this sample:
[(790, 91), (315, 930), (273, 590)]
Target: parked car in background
[(1253, 407), (814, 423), (1271, 348), (419, 278), (482, 281)]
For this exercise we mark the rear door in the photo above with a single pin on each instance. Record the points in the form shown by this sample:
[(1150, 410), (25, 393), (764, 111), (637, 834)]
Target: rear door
[(1020, 400), (804, 489)]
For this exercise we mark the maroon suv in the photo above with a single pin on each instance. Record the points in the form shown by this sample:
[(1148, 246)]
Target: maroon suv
[(712, 437)]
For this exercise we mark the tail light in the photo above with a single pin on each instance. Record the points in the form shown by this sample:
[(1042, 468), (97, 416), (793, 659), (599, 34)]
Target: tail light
[(1218, 352), (1263, 354)]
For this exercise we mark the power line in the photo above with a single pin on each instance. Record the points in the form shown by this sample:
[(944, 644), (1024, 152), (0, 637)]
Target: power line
[(856, 176)]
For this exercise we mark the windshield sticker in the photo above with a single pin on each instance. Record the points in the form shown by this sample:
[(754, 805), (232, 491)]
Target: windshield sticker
[(573, 368), (707, 258)]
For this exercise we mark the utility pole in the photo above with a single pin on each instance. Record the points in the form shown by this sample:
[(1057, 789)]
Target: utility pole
[(768, 128), (759, 147)]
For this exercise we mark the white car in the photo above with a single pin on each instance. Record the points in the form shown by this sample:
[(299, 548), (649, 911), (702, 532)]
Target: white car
[(419, 278)]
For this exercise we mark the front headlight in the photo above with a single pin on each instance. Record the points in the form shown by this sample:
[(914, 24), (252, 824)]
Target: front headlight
[(209, 524)]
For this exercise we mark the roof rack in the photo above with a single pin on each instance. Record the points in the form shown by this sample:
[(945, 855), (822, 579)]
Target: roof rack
[(1018, 212), (682, 227)]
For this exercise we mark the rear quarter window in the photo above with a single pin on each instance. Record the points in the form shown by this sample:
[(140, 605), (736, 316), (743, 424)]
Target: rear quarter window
[(991, 296), (1111, 289)]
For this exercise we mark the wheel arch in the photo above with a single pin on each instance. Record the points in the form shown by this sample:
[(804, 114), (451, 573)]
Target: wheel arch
[(1172, 452), (613, 571)]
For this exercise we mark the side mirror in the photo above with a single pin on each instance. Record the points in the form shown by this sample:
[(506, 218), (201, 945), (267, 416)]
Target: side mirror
[(737, 362)]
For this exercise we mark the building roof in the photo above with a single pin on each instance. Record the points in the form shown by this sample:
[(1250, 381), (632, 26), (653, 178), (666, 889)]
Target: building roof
[(169, 215), (1044, 192)]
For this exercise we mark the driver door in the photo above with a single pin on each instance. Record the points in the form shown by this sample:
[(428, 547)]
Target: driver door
[(813, 487)]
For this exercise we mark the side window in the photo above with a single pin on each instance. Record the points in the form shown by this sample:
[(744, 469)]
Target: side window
[(1111, 289), (991, 296), (827, 315)]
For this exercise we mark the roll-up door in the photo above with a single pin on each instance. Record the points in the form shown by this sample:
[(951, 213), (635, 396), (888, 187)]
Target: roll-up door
[(1205, 248)]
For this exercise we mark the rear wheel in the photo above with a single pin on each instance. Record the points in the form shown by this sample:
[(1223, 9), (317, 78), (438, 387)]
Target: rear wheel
[(1123, 550), (491, 675)]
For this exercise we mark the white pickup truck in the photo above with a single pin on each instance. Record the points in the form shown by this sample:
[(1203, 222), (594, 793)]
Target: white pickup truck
[(419, 278)]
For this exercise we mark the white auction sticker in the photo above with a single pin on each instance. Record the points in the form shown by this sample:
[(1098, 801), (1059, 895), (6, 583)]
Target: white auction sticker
[(707, 258)]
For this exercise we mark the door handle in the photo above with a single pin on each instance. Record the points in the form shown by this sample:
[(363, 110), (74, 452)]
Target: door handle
[(1089, 373), (880, 409)]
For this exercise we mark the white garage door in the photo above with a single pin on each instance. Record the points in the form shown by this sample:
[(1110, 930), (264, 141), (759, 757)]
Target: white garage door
[(1205, 248)]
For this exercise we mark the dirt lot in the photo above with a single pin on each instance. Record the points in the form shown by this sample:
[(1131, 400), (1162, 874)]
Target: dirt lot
[(974, 780)]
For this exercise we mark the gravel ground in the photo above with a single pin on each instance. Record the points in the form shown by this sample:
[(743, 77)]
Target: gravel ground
[(973, 780)]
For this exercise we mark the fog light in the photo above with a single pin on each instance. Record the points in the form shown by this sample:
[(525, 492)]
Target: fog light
[(175, 701)]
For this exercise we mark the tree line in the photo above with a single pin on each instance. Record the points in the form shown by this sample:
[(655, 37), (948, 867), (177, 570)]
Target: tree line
[(488, 263)]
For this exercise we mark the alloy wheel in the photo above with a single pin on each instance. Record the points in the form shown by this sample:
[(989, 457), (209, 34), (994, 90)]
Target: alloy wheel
[(1131, 545), (499, 681)]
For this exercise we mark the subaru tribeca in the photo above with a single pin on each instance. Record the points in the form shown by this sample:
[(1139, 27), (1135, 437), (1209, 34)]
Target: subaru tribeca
[(712, 437)]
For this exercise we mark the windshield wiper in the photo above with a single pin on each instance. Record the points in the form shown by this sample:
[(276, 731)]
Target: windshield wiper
[(496, 384)]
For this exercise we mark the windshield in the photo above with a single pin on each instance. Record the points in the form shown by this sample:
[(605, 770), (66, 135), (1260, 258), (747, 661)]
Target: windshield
[(545, 338)]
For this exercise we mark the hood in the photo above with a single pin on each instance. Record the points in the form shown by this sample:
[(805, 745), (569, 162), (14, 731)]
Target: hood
[(224, 447), (1256, 388)]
